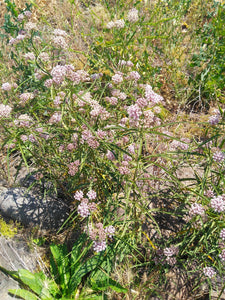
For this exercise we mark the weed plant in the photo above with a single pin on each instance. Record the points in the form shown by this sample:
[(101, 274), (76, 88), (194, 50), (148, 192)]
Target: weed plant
[(102, 137)]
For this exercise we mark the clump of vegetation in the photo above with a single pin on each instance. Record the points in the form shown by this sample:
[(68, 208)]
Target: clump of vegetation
[(7, 230), (110, 144)]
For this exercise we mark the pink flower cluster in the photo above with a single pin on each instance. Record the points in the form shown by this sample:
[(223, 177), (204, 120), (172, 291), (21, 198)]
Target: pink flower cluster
[(29, 56), (60, 73), (124, 168), (110, 155), (134, 112), (170, 254), (196, 209), (44, 56), (55, 118), (219, 156), (20, 37), (119, 94), (99, 236), (209, 193), (218, 203), (116, 24), (58, 38), (222, 234), (5, 111), (182, 145), (222, 255), (6, 86), (25, 97), (209, 272), (125, 63), (133, 75), (215, 119), (26, 13), (151, 96), (171, 251), (132, 15), (89, 138), (73, 167), (85, 208), (23, 121), (117, 78)]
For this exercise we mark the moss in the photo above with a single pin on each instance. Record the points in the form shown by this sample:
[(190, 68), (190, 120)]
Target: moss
[(7, 230)]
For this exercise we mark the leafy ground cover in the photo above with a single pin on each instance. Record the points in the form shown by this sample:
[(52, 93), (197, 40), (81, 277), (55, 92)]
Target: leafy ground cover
[(119, 107)]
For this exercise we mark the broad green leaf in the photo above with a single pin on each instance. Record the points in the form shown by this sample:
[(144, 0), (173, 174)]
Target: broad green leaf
[(88, 266), (77, 253), (60, 265), (34, 281), (24, 294)]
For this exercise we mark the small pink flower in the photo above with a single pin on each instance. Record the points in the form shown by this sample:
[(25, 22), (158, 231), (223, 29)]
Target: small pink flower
[(48, 83), (32, 138), (218, 204), (60, 42), (44, 56), (134, 75), (6, 86), (20, 17), (171, 251), (91, 195), (58, 74), (222, 234), (110, 231), (79, 195), (132, 15), (123, 168), (5, 111), (222, 255), (99, 246), (83, 209), (29, 56), (55, 118), (134, 112), (24, 137), (209, 272), (25, 97), (119, 23), (73, 167), (196, 209), (117, 78), (27, 13), (110, 155), (219, 156)]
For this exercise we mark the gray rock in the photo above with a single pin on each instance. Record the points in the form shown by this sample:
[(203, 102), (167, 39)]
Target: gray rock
[(33, 209), (14, 255)]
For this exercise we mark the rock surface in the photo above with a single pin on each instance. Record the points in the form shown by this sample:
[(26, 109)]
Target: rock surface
[(14, 255), (32, 209)]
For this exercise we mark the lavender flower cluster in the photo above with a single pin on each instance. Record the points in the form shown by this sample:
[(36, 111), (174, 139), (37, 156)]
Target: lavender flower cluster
[(209, 272), (5, 111), (215, 119), (167, 255), (86, 206), (218, 203), (99, 235)]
